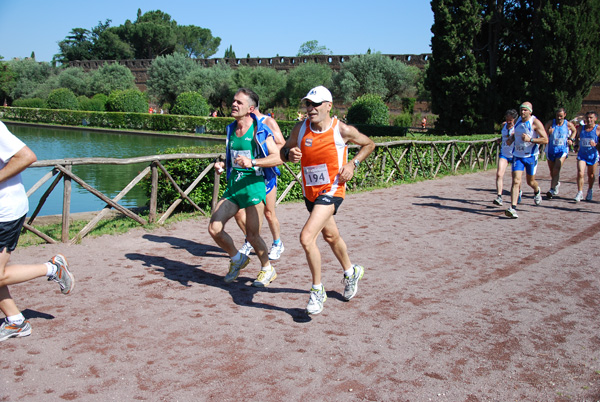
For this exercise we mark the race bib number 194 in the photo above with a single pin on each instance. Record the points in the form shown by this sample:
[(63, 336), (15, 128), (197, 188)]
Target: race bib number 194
[(316, 175)]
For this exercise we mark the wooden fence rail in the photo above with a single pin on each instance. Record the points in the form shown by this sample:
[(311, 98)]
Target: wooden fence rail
[(391, 161)]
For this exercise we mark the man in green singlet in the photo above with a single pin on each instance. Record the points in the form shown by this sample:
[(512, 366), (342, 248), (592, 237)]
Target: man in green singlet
[(251, 155)]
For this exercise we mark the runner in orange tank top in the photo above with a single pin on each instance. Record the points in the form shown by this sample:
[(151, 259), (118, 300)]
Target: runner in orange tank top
[(319, 144)]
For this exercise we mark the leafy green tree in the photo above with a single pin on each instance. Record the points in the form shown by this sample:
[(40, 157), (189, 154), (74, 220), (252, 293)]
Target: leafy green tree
[(192, 104), (489, 55), (129, 100), (215, 83), (304, 77), (62, 98), (266, 82), (109, 77), (456, 78), (229, 53), (376, 74), (196, 41), (76, 46), (166, 76), (152, 34), (312, 47), (75, 79), (107, 45), (7, 81), (368, 109), (29, 75)]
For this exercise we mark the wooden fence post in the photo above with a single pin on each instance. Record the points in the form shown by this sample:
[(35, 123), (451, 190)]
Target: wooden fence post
[(66, 205), (153, 193)]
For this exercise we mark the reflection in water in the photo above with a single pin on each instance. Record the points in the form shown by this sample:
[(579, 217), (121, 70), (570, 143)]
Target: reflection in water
[(54, 143)]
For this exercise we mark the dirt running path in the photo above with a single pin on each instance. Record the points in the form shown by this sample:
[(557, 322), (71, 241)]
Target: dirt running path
[(458, 303)]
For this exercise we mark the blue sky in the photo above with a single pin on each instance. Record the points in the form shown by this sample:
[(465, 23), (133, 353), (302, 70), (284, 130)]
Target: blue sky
[(271, 27)]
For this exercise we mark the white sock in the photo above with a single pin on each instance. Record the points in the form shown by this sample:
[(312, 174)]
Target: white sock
[(317, 287), (16, 319), (267, 268), (349, 272), (51, 269)]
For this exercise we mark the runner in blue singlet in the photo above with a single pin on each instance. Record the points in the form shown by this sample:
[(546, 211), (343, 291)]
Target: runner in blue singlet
[(587, 156), (559, 132), (506, 152)]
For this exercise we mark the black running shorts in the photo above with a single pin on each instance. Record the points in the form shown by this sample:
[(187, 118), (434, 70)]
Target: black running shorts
[(9, 234)]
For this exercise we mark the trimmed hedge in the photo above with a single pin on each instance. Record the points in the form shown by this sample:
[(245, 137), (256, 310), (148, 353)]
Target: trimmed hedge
[(136, 121)]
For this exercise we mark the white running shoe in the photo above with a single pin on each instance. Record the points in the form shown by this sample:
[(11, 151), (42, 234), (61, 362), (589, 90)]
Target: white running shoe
[(246, 248), (520, 194), (511, 213), (590, 195), (351, 283), (579, 196), (315, 303), (537, 198), (265, 278), (498, 200), (556, 189), (276, 250)]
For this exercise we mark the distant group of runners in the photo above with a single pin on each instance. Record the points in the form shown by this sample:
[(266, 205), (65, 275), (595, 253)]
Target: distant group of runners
[(521, 137)]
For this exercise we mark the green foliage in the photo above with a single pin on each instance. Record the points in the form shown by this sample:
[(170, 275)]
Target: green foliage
[(30, 103), (29, 76), (490, 55), (75, 79), (184, 172), (301, 79), (229, 53), (130, 100), (62, 98), (268, 83), (408, 105), (110, 77), (214, 83), (96, 104), (369, 109), (196, 42), (312, 47), (191, 103), (403, 120), (375, 74), (76, 46), (7, 80), (167, 74)]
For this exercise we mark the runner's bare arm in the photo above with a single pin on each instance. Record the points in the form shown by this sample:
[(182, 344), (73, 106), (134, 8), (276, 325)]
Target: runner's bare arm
[(290, 151), (17, 163), (277, 136), (350, 133), (539, 127)]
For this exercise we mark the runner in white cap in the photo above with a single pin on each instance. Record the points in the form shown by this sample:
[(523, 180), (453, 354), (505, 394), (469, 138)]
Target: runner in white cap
[(319, 144)]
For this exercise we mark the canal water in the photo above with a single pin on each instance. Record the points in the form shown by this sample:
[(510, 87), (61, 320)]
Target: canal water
[(55, 143)]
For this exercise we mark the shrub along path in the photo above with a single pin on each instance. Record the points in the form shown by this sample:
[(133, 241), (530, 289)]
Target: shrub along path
[(458, 303)]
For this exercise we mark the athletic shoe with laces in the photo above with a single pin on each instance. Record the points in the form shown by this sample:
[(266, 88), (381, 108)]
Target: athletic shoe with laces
[(10, 330), (590, 195), (579, 196), (265, 278), (537, 197), (315, 303), (62, 276), (351, 283), (276, 250), (236, 267), (550, 194), (555, 193), (511, 213), (498, 200), (246, 248), (520, 194)]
